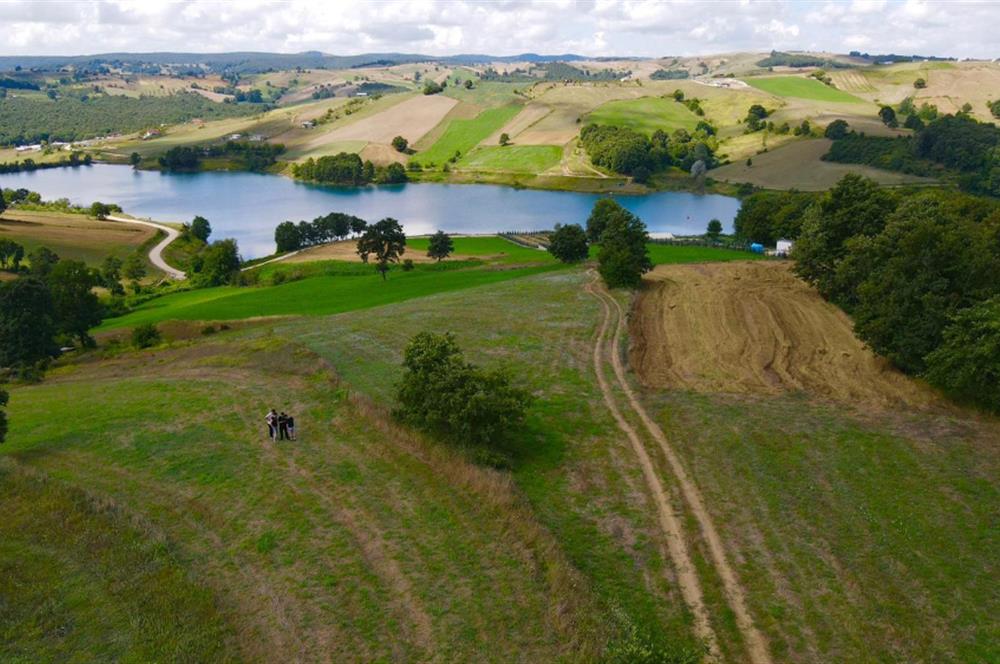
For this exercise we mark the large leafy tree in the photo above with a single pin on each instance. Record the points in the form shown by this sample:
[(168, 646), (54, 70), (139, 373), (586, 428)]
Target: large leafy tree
[(967, 363), (42, 260), (442, 393), (287, 236), (27, 323), (200, 228), (440, 246), (11, 254), (385, 241), (603, 210), (77, 308), (220, 263), (569, 243), (623, 257)]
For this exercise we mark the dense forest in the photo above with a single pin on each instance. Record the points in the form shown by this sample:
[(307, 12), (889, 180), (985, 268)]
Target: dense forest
[(915, 269), (780, 59), (629, 152), (25, 120), (955, 144), (669, 74)]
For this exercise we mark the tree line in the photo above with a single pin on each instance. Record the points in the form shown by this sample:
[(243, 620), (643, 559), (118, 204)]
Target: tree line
[(249, 155), (629, 152), (28, 165), (346, 168), (289, 236), (916, 270)]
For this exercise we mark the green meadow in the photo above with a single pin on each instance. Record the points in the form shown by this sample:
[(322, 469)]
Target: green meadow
[(802, 88), (463, 135), (513, 158), (645, 115)]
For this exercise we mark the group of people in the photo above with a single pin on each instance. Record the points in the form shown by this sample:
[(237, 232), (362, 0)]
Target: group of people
[(280, 426)]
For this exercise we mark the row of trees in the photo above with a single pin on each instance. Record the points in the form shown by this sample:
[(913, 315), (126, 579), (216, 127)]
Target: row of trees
[(916, 270), (346, 168), (28, 165), (289, 236)]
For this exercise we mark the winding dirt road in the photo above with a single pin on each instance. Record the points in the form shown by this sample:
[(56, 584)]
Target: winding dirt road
[(609, 347), (156, 253)]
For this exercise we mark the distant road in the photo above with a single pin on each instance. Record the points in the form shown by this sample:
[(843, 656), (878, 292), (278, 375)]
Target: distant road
[(156, 253)]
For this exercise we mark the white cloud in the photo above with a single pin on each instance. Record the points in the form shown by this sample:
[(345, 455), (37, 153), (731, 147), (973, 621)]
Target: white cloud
[(442, 27)]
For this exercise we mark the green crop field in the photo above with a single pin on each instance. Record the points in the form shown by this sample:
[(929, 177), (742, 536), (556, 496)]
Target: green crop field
[(645, 115), (514, 158), (488, 247), (463, 135), (313, 296), (802, 88)]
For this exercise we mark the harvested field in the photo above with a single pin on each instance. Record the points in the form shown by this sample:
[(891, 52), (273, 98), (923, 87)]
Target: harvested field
[(410, 119), (799, 165), (528, 116), (753, 327)]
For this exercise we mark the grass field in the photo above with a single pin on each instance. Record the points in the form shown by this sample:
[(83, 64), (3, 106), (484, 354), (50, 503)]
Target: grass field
[(312, 297), (74, 236), (645, 115), (515, 158), (802, 88), (463, 135)]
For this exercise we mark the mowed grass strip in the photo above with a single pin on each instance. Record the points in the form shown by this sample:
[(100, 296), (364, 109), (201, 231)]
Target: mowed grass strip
[(311, 297), (463, 135), (490, 248), (645, 115), (802, 88), (513, 158)]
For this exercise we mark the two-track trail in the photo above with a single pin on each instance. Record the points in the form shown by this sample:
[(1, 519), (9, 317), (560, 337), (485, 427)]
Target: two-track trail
[(607, 347)]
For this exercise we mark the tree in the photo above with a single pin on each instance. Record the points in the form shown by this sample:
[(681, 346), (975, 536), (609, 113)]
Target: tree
[(623, 257), (394, 173), (440, 246), (432, 88), (358, 225), (220, 263), (134, 159), (286, 237), (678, 95), (714, 230), (386, 241), (134, 270), (200, 228), (836, 130), (99, 210), (145, 336), (569, 243), (920, 84), (400, 143), (367, 171), (443, 394), (41, 261), (111, 274), (504, 139), (755, 117), (967, 363), (11, 254), (468, 84), (888, 116), (77, 308), (602, 211), (3, 203), (27, 323)]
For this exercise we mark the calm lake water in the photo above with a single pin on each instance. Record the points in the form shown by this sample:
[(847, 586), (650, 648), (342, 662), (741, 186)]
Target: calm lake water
[(247, 206)]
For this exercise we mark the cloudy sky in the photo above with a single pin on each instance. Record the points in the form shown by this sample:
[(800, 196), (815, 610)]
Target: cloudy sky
[(442, 27)]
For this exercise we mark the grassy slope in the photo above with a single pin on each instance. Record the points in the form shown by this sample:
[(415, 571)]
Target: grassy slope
[(462, 135), (73, 236), (645, 115), (314, 296), (802, 88), (515, 158), (358, 542)]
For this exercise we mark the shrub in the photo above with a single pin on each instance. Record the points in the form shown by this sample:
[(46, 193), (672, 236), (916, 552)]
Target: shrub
[(443, 394), (407, 265), (145, 336)]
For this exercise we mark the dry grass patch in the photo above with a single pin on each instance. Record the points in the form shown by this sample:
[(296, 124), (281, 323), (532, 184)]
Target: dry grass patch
[(410, 119)]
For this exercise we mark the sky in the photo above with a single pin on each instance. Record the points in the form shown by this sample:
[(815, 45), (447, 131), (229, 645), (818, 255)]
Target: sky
[(501, 27)]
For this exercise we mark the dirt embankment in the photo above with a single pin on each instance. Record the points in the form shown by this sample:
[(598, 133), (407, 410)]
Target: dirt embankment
[(754, 327)]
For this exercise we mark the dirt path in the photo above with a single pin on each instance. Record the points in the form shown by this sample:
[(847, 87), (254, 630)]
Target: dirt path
[(271, 260), (156, 253), (687, 576), (735, 594)]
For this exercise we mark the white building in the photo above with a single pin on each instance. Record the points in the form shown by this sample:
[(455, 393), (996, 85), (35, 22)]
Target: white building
[(784, 247)]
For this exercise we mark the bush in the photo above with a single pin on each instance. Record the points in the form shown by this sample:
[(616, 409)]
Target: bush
[(407, 265), (443, 394), (836, 130), (145, 336), (569, 243)]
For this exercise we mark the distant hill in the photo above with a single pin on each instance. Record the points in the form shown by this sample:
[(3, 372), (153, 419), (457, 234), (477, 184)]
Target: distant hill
[(249, 62)]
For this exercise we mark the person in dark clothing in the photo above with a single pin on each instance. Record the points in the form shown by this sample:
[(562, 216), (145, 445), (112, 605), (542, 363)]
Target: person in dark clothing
[(290, 426), (282, 426)]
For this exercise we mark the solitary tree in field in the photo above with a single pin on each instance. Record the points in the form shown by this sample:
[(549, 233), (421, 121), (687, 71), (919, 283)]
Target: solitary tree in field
[(888, 116), (504, 139), (468, 84), (602, 211), (623, 257), (99, 210), (440, 246), (714, 230), (919, 84), (569, 243), (386, 241), (200, 228), (400, 144), (134, 159)]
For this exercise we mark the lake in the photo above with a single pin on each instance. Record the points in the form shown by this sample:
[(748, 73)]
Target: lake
[(247, 206)]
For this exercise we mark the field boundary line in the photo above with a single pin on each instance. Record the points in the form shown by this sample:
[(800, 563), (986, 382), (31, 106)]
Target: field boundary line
[(735, 593), (670, 523)]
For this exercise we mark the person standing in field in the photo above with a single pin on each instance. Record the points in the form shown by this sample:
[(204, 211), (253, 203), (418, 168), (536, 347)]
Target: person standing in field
[(272, 424), (290, 426), (282, 426)]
